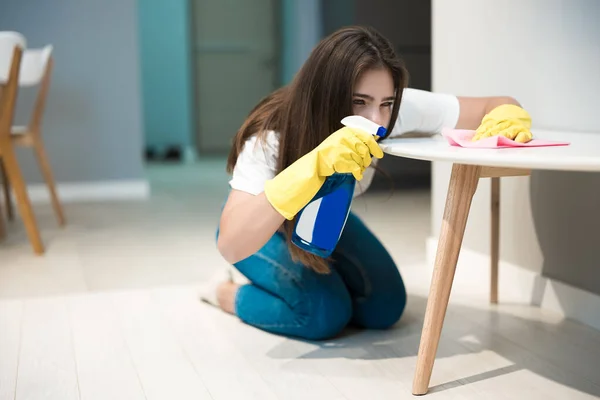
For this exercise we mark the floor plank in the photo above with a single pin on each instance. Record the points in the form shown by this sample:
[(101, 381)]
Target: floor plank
[(104, 364), (579, 356), (47, 367), (164, 369), (226, 373), (552, 382), (288, 380), (10, 339)]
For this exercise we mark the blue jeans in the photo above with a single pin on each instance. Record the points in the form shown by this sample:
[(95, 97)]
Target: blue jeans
[(364, 288)]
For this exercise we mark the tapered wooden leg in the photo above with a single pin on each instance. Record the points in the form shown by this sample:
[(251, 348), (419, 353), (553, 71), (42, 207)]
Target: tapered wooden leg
[(2, 227), (7, 199), (4, 183), (463, 183), (495, 240), (47, 172), (16, 179)]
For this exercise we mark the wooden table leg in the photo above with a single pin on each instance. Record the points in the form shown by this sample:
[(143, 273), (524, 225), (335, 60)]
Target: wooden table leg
[(495, 240), (463, 183)]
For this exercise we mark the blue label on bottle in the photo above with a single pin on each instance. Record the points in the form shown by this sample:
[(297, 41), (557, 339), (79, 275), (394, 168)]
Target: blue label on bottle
[(331, 218), (321, 222)]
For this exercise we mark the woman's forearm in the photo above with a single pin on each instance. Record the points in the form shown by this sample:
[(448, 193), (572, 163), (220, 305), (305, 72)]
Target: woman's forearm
[(247, 223), (494, 102), (473, 109)]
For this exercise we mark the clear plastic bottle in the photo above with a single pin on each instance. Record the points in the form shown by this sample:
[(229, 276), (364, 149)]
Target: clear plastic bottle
[(321, 222)]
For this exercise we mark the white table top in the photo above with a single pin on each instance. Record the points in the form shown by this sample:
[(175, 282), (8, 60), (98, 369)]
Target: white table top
[(583, 154)]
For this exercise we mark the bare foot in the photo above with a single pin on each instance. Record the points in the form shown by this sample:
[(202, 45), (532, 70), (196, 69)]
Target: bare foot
[(226, 292)]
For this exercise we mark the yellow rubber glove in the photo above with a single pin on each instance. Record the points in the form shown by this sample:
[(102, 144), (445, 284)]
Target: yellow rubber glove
[(507, 120), (344, 151)]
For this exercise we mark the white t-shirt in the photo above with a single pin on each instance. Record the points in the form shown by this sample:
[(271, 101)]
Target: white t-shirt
[(420, 111)]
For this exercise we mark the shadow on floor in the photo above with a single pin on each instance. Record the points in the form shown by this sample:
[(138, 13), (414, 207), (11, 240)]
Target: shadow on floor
[(544, 348)]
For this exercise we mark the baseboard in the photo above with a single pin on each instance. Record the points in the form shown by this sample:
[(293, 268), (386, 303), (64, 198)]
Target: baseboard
[(92, 191), (519, 285)]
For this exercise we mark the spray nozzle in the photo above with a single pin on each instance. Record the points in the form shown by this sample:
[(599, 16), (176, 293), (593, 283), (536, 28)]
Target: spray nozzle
[(358, 122)]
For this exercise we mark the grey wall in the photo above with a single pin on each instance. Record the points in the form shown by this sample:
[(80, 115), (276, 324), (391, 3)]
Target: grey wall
[(336, 14), (92, 124), (546, 53), (407, 24), (301, 31)]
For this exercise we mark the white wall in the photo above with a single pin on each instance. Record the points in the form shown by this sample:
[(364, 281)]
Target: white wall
[(545, 53)]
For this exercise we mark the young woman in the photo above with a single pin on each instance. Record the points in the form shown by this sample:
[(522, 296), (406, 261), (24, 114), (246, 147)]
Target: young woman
[(290, 143)]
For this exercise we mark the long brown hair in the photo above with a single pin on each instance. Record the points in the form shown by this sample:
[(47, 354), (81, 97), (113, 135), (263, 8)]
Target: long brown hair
[(311, 107)]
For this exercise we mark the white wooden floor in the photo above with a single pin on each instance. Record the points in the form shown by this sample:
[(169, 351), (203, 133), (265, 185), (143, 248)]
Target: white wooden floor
[(111, 312), (164, 344)]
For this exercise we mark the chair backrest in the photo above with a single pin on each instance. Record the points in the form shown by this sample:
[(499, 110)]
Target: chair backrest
[(8, 41), (34, 65), (11, 51), (36, 68)]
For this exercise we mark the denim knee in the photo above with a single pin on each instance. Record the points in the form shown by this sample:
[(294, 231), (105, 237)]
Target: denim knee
[(327, 315), (393, 311), (382, 310)]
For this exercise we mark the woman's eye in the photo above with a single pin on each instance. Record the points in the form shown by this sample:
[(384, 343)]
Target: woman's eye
[(358, 102), (388, 104)]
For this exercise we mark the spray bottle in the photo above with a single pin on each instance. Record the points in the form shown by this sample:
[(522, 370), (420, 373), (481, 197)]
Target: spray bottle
[(321, 222)]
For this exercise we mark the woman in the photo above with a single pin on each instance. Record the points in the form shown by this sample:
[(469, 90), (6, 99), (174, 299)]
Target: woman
[(282, 155)]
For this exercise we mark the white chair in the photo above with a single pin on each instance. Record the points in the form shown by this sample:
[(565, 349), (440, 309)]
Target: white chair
[(36, 69), (8, 41), (11, 52)]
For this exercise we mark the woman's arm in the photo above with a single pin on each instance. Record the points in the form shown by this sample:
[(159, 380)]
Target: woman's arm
[(247, 223), (473, 109)]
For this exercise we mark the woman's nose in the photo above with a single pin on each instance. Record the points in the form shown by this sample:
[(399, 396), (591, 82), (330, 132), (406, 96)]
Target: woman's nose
[(377, 117)]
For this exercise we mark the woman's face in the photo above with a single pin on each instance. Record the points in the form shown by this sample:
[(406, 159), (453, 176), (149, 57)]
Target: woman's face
[(373, 96)]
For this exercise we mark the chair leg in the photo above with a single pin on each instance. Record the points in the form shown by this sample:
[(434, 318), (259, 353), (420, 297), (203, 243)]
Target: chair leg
[(2, 227), (7, 199), (463, 183), (495, 238), (16, 179), (4, 183), (48, 176)]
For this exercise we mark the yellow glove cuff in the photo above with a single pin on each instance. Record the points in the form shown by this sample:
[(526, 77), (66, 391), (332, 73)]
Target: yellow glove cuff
[(293, 188)]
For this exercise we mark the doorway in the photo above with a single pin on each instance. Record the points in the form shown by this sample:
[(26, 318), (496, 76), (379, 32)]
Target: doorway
[(236, 62)]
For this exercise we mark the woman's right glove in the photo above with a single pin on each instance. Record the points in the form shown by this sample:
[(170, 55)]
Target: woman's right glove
[(507, 120), (348, 150)]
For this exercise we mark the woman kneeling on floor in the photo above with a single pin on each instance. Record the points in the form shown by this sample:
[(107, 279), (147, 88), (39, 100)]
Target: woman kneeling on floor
[(286, 290)]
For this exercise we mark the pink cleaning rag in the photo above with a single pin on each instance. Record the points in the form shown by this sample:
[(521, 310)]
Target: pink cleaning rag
[(462, 138)]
